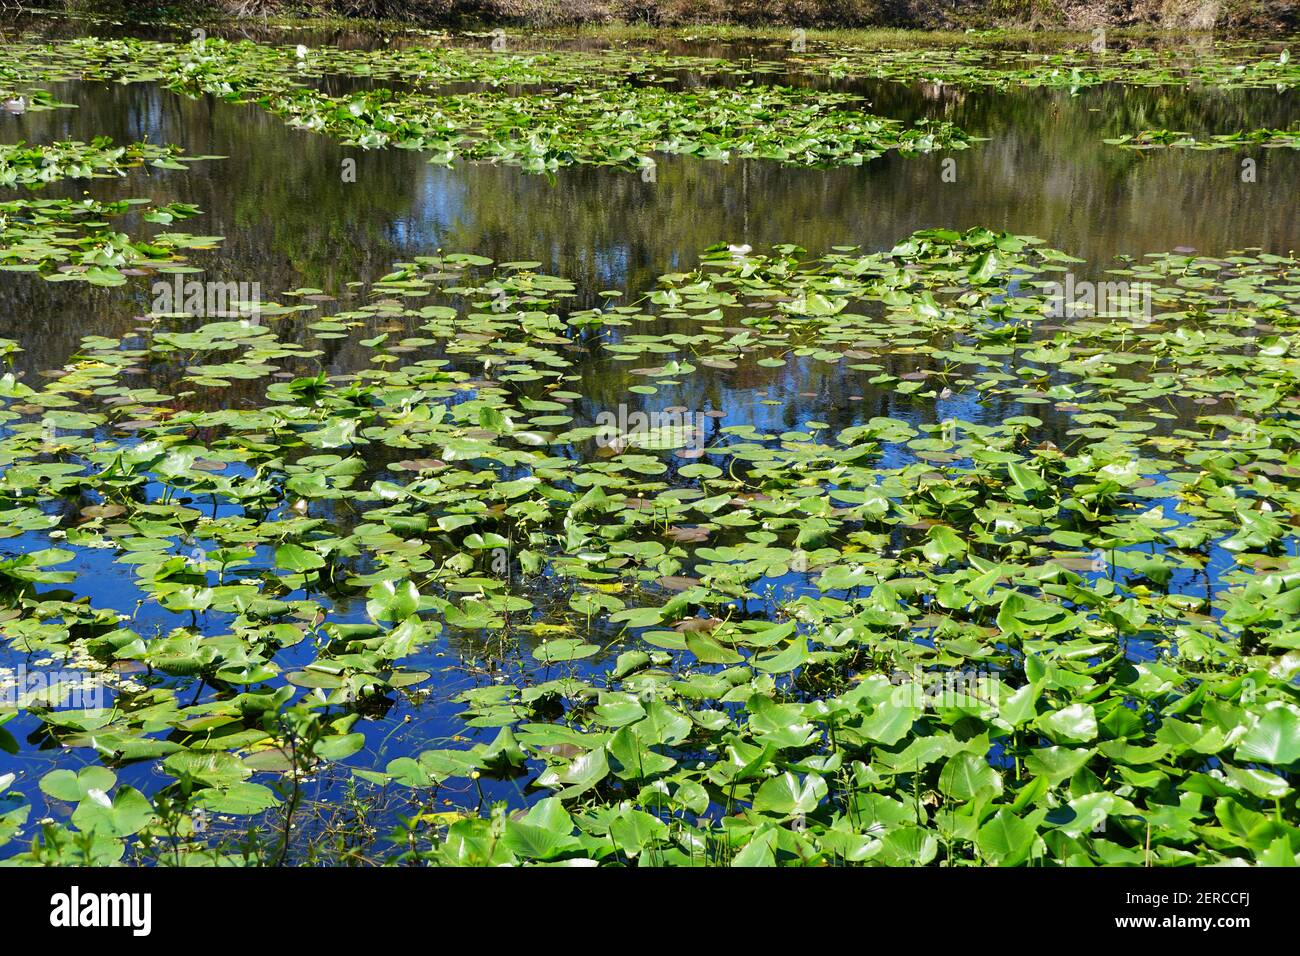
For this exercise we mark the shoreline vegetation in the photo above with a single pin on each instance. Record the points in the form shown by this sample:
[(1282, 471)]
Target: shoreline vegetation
[(876, 20)]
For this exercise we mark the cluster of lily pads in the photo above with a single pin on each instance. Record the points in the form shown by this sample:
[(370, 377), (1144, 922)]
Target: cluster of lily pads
[(602, 118), (237, 64), (1172, 139), (1044, 612), (1224, 65), (615, 106), (77, 239), (34, 166), (615, 126)]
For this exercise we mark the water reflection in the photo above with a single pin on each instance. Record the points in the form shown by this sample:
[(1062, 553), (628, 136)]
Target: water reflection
[(290, 219)]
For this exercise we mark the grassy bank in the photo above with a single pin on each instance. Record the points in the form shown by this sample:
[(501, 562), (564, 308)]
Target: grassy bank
[(1030, 15)]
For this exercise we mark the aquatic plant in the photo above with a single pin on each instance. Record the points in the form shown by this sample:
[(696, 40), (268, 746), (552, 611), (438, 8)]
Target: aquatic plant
[(618, 126), (34, 166), (74, 239), (944, 640), (1224, 65), (1171, 139)]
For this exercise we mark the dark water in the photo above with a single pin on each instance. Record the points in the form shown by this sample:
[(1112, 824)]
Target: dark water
[(290, 220)]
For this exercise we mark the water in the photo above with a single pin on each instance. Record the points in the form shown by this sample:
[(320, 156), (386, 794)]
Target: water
[(290, 220)]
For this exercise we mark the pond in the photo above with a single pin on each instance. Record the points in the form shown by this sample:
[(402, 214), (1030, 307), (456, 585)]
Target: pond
[(647, 505)]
